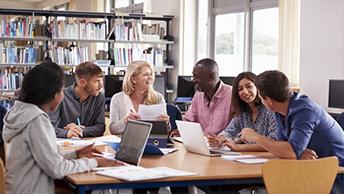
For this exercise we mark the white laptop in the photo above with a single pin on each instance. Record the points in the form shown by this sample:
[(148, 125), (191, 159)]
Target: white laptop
[(194, 140)]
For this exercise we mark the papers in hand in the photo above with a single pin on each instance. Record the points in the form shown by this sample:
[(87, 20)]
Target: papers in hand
[(136, 173), (247, 159), (151, 112)]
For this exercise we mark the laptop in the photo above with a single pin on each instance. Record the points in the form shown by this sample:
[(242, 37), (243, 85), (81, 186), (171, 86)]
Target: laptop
[(194, 140), (133, 142)]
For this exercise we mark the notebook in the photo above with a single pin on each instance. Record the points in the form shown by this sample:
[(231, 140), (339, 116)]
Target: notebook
[(133, 142), (194, 140)]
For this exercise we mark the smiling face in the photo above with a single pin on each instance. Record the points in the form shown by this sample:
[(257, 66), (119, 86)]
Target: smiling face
[(144, 79), (200, 79), (247, 90)]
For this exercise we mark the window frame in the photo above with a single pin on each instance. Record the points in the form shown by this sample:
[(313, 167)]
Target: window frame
[(234, 6)]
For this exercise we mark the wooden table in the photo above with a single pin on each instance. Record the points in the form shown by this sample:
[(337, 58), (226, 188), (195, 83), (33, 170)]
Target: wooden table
[(210, 171)]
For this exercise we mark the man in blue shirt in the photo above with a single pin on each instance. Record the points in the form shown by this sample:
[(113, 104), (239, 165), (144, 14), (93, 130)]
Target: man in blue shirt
[(304, 129)]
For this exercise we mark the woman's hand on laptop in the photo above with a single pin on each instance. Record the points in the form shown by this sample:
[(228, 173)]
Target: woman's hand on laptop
[(216, 141), (104, 162)]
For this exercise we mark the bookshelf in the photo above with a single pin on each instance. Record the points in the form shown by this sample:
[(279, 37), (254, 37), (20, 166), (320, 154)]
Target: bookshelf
[(27, 36)]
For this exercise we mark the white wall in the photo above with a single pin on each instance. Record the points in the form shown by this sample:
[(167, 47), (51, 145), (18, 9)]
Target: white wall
[(16, 5), (321, 47), (170, 7)]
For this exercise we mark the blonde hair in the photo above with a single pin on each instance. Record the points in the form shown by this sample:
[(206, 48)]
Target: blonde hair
[(135, 68)]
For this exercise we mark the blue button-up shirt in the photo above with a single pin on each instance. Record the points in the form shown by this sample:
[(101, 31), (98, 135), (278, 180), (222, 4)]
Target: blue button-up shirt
[(307, 125)]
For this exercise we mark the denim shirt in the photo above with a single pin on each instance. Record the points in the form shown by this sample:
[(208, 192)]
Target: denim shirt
[(307, 125)]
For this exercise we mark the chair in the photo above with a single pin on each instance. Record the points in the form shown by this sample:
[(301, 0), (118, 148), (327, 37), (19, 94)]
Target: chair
[(300, 176), (175, 114), (2, 178), (340, 120)]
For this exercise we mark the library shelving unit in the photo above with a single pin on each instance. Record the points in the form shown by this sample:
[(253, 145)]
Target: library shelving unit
[(28, 36)]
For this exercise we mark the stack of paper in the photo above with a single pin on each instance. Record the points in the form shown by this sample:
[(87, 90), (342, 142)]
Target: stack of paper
[(136, 173)]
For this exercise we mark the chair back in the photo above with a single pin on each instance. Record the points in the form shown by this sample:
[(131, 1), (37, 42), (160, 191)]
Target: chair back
[(2, 178), (300, 176), (175, 114)]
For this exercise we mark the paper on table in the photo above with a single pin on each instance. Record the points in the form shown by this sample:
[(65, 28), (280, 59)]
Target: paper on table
[(167, 150), (237, 157), (80, 142), (136, 173), (252, 160), (151, 112)]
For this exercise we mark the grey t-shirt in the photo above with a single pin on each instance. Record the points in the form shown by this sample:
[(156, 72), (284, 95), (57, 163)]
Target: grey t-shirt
[(90, 112)]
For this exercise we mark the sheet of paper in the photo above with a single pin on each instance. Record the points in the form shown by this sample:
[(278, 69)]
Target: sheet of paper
[(171, 172), (151, 112), (136, 173), (167, 150), (107, 138), (237, 157), (76, 142), (252, 160)]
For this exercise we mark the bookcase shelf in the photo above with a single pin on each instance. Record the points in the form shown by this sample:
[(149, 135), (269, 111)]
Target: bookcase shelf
[(51, 43)]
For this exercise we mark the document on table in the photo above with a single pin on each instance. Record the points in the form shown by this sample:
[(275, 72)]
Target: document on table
[(136, 173), (247, 159), (82, 142), (151, 112)]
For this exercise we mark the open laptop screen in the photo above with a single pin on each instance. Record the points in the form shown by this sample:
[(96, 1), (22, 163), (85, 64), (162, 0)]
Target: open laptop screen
[(133, 142)]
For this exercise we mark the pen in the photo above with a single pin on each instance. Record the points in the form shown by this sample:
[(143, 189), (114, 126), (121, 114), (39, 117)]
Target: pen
[(79, 124)]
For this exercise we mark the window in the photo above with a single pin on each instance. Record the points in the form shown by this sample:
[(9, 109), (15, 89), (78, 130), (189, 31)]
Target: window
[(229, 43), (265, 40), (242, 35), (126, 6)]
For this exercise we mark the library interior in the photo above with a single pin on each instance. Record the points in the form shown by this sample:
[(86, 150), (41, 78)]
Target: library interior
[(171, 96)]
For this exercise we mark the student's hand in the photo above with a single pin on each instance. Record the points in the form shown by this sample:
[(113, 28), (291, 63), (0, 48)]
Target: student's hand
[(86, 152), (232, 145), (72, 125), (103, 162), (216, 141), (164, 117), (309, 154), (250, 135), (174, 133), (131, 116), (75, 131)]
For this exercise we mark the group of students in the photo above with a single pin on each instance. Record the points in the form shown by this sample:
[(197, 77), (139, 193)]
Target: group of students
[(257, 113)]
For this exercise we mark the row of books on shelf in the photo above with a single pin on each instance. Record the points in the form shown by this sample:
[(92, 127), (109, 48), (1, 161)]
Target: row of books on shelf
[(124, 56), (20, 55), (136, 31), (10, 81), (78, 30), (21, 27), (69, 56)]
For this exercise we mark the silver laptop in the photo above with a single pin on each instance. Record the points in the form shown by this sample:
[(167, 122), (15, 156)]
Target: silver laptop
[(133, 142), (194, 140)]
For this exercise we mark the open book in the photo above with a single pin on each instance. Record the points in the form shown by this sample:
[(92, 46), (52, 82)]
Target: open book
[(137, 173)]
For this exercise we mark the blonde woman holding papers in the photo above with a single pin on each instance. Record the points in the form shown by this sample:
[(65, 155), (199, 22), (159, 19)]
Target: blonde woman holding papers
[(137, 89)]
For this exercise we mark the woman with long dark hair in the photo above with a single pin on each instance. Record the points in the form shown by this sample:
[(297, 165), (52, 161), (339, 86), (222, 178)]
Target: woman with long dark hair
[(249, 112)]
